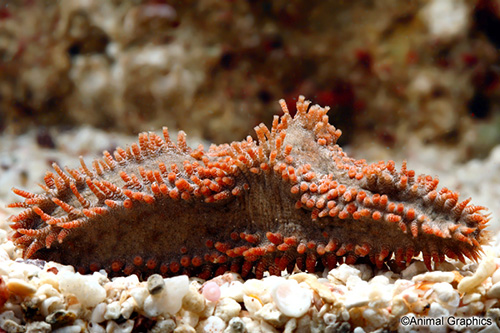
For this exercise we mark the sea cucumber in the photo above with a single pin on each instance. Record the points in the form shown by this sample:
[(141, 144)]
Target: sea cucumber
[(291, 198)]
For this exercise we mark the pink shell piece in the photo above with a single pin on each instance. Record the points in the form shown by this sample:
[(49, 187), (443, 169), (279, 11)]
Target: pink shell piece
[(211, 291)]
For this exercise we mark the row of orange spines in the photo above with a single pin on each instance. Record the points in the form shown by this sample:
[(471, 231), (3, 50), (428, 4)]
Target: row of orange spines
[(104, 190), (426, 187), (221, 254), (278, 255), (33, 239), (407, 186), (455, 254), (280, 250), (52, 182), (392, 212)]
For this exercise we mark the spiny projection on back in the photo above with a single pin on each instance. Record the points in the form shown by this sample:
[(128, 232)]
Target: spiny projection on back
[(290, 199)]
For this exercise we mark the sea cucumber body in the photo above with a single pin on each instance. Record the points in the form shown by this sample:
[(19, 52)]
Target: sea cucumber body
[(290, 198)]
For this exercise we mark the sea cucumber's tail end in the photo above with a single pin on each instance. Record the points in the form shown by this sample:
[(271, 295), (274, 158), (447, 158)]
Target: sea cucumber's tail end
[(485, 238), (477, 252)]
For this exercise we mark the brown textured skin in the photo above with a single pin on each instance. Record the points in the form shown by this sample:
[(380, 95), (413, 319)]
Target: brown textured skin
[(291, 198)]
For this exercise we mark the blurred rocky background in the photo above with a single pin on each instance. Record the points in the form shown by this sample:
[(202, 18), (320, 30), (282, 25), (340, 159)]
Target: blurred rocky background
[(397, 74)]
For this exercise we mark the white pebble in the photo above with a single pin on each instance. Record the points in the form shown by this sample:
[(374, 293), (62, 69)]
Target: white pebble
[(446, 295), (270, 314), (193, 301), (320, 286), (227, 308), (380, 295), (356, 301), (127, 308), (410, 296), (355, 282), (253, 287), (153, 306), (345, 315), (4, 256), (4, 268), (292, 299), (183, 328), (437, 310), (344, 272), (472, 297), (51, 304), (47, 290), (375, 318), (270, 283), (48, 279), (252, 304), (139, 294), (380, 280), (477, 307), (176, 288), (436, 276), (258, 288), (169, 300), (399, 306), (98, 313), (112, 311), (415, 268), (22, 270), (124, 282), (69, 329), (11, 249), (208, 310), (20, 287), (290, 326), (494, 291), (234, 289), (486, 268), (496, 276), (212, 325), (86, 288), (402, 285), (38, 327)]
